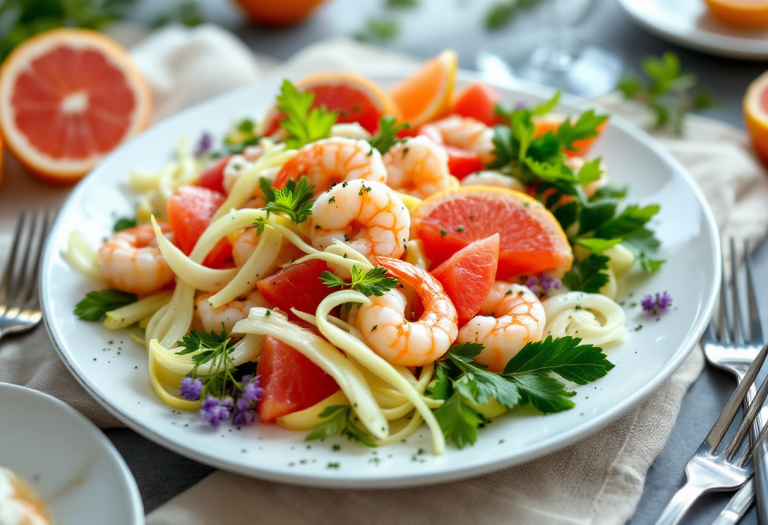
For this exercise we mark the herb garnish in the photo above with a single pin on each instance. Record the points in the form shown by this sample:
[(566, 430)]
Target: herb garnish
[(96, 304), (373, 282), (124, 223), (340, 418), (463, 383), (294, 200), (387, 135), (303, 123), (502, 13)]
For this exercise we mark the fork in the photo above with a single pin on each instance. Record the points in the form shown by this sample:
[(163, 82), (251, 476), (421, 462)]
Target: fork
[(712, 470), (733, 351), (19, 301)]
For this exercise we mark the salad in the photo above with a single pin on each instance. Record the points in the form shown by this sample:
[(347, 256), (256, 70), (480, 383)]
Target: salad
[(358, 263)]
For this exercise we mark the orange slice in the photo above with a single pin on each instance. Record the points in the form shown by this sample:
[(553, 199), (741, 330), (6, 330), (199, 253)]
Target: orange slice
[(428, 92), (756, 114), (353, 97), (531, 240), (747, 14), (67, 98)]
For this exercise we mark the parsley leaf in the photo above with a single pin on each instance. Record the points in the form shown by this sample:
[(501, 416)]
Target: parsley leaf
[(96, 304), (598, 246), (387, 135), (458, 419), (372, 282), (546, 394), (124, 223), (584, 128), (242, 135), (640, 242), (295, 200), (378, 30), (265, 185), (565, 356), (587, 275), (206, 347), (303, 123), (628, 221), (339, 418)]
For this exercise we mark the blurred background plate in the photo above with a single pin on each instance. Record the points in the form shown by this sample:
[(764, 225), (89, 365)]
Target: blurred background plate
[(688, 23), (66, 459), (643, 362)]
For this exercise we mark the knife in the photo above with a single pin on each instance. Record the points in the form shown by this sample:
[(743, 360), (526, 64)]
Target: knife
[(738, 506)]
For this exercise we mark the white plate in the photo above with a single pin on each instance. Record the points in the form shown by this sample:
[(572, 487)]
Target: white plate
[(688, 23), (66, 459), (114, 369)]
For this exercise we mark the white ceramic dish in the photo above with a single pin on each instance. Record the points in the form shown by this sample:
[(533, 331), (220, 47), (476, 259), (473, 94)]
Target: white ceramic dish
[(69, 461), (113, 368), (688, 23)]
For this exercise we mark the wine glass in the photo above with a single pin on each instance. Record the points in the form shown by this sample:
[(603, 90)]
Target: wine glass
[(558, 54)]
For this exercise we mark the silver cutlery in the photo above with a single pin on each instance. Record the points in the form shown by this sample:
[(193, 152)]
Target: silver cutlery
[(716, 468), (19, 301), (734, 350)]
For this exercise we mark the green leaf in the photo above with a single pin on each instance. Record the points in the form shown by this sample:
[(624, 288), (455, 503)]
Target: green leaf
[(609, 191), (703, 99), (466, 351), (96, 304), (598, 246), (458, 419), (587, 275), (295, 200), (442, 389), (547, 106), (387, 135), (505, 149), (546, 394), (590, 171), (566, 214), (629, 85), (584, 128), (640, 242), (303, 123), (335, 416), (378, 30), (401, 3), (124, 223), (544, 148), (373, 282), (564, 356), (630, 219), (265, 185), (596, 213)]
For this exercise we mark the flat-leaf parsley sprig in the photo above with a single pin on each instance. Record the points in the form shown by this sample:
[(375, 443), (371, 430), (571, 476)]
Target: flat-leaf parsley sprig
[(373, 282), (96, 304), (387, 135), (294, 200), (221, 394), (464, 384), (303, 123), (341, 418)]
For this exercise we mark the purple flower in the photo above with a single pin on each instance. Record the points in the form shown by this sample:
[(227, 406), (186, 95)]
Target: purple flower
[(243, 418), (533, 284), (542, 284), (648, 303), (215, 410), (521, 105), (191, 388), (252, 390), (664, 300), (204, 144)]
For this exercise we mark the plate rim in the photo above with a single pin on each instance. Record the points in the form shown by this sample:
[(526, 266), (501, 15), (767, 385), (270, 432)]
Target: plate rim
[(429, 478), (722, 45), (137, 505)]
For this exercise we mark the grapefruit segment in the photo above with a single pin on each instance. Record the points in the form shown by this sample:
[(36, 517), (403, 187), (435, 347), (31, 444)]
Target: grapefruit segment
[(67, 98), (745, 14), (353, 97), (756, 114), (477, 101), (531, 240), (469, 274), (426, 94)]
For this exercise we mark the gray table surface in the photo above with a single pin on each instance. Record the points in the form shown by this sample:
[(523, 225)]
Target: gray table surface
[(426, 30)]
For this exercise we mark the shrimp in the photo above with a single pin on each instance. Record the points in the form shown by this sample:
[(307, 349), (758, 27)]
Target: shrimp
[(209, 318), (331, 161), (244, 244), (418, 167), (403, 342), (511, 317), (131, 261), (492, 178), (462, 132), (368, 216)]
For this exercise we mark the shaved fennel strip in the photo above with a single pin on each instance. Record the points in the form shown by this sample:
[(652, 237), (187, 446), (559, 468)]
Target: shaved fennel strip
[(573, 314), (324, 355), (260, 263), (220, 228), (83, 256), (135, 312), (162, 393), (192, 273), (246, 350), (249, 180), (179, 315), (372, 361), (409, 429)]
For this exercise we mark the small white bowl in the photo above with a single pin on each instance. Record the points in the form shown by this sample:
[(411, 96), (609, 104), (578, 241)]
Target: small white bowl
[(66, 459)]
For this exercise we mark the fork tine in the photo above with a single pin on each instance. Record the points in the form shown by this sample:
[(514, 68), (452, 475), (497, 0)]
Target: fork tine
[(737, 332), (720, 427), (11, 263), (723, 334), (18, 284), (755, 328), (754, 408), (30, 297)]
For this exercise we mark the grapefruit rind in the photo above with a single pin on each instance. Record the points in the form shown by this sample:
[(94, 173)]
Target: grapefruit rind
[(45, 166), (441, 100), (755, 116)]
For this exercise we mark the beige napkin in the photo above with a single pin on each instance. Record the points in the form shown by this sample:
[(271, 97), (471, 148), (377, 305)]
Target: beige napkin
[(597, 481)]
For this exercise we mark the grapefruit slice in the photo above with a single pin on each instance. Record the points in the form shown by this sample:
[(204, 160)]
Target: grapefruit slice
[(67, 98), (353, 97), (531, 240), (468, 276), (756, 114), (427, 93), (745, 14)]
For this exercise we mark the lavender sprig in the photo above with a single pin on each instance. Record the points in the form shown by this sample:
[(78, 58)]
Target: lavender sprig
[(654, 304)]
